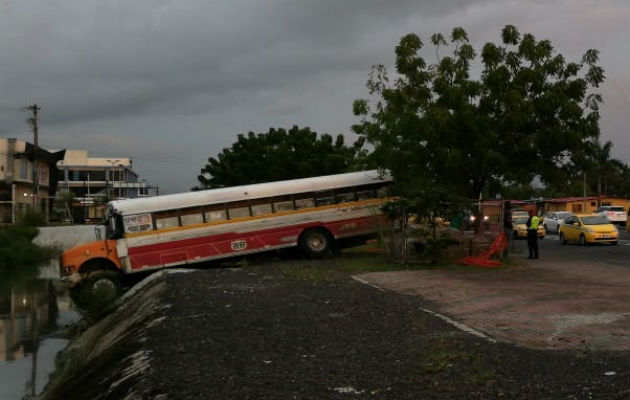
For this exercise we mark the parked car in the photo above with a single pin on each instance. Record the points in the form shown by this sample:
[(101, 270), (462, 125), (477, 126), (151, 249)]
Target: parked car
[(588, 228), (519, 228), (616, 214), (554, 219)]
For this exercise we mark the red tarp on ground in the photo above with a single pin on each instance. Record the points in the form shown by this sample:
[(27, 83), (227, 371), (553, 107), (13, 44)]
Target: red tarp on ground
[(483, 260)]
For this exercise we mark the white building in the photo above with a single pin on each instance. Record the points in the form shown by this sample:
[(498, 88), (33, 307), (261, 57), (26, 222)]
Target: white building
[(95, 180)]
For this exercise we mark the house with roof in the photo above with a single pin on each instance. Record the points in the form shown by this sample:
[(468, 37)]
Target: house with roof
[(28, 179)]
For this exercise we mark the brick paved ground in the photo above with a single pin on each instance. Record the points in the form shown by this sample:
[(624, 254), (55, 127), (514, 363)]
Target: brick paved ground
[(541, 305)]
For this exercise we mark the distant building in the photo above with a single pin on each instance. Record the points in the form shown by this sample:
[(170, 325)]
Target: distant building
[(18, 187), (587, 204), (93, 181)]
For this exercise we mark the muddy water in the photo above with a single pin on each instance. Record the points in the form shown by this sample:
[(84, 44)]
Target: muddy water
[(32, 313)]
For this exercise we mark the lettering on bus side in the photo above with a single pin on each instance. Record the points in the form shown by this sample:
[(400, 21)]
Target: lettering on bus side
[(238, 245), (351, 226)]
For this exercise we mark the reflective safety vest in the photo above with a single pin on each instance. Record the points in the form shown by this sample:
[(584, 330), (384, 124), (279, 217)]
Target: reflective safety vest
[(533, 223)]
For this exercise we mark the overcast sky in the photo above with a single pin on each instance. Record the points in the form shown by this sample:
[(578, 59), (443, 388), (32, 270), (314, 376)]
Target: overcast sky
[(171, 83)]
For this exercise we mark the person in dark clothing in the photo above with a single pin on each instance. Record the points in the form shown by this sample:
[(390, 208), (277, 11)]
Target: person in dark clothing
[(507, 226), (532, 234)]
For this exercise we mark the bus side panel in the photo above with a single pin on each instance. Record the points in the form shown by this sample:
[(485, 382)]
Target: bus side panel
[(206, 247), (209, 243)]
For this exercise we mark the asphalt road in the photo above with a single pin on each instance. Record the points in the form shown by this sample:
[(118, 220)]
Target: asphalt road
[(598, 254)]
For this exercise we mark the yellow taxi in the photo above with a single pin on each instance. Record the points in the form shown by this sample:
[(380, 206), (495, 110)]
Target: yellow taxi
[(588, 228), (519, 228)]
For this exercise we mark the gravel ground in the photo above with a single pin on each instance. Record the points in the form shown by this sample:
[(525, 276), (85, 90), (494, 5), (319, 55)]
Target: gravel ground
[(302, 330)]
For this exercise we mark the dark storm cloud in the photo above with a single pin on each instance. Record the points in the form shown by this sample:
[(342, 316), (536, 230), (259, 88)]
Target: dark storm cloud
[(166, 81)]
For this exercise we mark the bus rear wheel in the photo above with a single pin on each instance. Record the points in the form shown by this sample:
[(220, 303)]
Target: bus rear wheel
[(316, 242)]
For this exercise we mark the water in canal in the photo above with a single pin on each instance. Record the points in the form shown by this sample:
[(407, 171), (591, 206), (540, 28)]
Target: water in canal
[(32, 313)]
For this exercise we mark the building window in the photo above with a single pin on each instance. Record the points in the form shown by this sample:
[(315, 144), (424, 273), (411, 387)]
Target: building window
[(23, 169)]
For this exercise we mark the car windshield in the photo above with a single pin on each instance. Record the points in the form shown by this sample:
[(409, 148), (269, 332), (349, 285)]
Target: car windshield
[(563, 215), (616, 209), (520, 221), (595, 220)]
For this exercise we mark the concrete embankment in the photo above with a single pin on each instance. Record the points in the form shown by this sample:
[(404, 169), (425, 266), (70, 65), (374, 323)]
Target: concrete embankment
[(109, 360)]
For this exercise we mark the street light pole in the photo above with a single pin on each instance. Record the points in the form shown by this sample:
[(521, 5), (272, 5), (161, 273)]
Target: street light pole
[(33, 122), (112, 162)]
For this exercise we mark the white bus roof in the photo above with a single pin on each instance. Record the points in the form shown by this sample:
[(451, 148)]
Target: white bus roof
[(245, 192)]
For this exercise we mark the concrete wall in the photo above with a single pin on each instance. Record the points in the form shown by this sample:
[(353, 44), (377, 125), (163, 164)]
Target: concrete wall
[(65, 237)]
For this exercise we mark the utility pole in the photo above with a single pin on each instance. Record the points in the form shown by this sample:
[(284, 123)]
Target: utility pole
[(33, 122)]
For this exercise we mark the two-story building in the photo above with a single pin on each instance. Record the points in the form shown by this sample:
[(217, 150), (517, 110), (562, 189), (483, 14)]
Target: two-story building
[(28, 179)]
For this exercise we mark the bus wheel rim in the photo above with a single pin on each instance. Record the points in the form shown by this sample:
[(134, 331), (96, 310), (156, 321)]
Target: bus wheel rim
[(316, 242), (104, 284)]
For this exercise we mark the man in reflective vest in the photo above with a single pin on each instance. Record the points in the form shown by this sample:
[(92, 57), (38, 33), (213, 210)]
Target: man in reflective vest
[(532, 234)]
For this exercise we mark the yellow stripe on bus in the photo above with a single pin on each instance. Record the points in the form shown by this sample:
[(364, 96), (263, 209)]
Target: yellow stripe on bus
[(283, 213)]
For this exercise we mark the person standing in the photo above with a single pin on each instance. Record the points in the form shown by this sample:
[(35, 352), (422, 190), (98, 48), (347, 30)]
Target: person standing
[(532, 234), (507, 226)]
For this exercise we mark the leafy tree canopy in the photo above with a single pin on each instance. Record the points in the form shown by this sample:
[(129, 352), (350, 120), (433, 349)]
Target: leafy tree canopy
[(446, 135), (277, 155)]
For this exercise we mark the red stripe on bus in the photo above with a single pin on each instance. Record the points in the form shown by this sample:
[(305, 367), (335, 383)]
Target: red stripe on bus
[(215, 245)]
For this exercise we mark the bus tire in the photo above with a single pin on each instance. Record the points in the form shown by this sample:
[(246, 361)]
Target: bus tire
[(316, 243), (97, 289)]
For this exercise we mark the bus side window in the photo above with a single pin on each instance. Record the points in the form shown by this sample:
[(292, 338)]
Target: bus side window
[(191, 216), (261, 207), (282, 203), (304, 200), (215, 213), (324, 198), (365, 193), (239, 209), (166, 219), (382, 191), (345, 195)]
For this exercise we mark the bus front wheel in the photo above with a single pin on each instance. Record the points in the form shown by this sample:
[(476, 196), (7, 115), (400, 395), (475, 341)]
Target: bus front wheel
[(316, 242), (97, 290)]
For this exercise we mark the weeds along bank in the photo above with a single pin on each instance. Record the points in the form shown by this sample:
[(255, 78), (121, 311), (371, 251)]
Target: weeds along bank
[(109, 359)]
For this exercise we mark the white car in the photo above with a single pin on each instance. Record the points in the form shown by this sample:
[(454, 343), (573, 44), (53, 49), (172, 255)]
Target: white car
[(554, 219), (615, 214)]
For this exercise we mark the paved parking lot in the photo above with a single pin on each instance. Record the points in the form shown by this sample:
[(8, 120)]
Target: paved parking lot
[(573, 297)]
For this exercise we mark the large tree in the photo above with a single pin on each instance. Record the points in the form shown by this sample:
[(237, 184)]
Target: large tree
[(446, 135), (277, 155)]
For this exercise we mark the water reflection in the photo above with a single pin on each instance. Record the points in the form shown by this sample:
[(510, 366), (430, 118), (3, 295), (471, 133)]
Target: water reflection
[(31, 313)]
